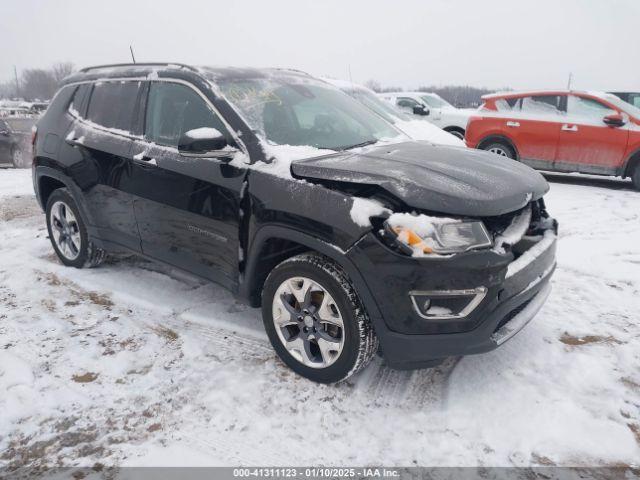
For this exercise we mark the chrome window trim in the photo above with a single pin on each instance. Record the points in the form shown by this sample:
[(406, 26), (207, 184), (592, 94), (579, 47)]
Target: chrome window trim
[(479, 292)]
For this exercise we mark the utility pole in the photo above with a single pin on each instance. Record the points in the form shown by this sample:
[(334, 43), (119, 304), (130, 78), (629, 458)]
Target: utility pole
[(15, 72)]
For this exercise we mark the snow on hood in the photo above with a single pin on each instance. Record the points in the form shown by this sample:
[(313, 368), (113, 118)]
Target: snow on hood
[(423, 130)]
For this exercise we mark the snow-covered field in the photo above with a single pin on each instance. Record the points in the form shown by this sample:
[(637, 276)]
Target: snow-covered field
[(134, 363)]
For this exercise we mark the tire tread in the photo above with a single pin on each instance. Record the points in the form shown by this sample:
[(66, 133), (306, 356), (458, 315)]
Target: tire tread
[(368, 344)]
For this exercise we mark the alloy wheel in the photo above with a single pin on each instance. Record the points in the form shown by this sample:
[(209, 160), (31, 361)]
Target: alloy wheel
[(499, 151), (65, 230), (308, 322)]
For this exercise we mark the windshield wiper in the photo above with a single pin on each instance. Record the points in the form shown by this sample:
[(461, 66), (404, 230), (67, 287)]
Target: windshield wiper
[(358, 145)]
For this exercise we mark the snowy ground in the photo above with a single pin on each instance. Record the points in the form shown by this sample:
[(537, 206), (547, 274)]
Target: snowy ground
[(137, 364)]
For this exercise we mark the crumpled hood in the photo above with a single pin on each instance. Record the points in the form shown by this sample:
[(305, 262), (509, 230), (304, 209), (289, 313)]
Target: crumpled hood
[(440, 179)]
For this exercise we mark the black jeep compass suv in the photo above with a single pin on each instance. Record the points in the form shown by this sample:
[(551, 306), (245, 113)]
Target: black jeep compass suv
[(352, 238)]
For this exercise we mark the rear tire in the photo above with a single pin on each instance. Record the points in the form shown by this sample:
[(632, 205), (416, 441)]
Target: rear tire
[(68, 233), (500, 148), (315, 320), (635, 177)]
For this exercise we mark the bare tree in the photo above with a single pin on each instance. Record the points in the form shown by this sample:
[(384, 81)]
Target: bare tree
[(62, 70), (7, 90), (373, 85), (378, 88), (38, 84)]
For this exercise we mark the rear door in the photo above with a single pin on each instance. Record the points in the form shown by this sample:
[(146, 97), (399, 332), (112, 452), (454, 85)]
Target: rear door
[(586, 143), (187, 207), (101, 137), (534, 124)]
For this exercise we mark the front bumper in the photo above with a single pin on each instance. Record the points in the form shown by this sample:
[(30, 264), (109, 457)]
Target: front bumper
[(516, 290)]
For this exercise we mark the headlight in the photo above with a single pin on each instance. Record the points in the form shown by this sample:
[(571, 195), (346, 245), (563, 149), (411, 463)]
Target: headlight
[(424, 235)]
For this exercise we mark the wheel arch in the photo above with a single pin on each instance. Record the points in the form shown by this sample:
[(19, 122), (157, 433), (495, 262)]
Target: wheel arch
[(46, 186), (273, 244), (498, 138), (47, 180)]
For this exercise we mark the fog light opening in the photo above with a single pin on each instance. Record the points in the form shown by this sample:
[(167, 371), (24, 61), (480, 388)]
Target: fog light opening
[(446, 304)]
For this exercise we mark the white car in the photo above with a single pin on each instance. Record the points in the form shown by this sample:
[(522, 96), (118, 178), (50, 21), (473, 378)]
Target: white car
[(433, 108), (414, 128)]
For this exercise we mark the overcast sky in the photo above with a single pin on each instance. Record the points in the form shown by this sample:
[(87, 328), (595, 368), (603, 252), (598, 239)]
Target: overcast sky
[(493, 43)]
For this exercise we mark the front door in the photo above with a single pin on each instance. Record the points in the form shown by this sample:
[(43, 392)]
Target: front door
[(187, 208), (586, 143)]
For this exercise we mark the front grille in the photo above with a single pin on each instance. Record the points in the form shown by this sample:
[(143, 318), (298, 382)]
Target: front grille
[(512, 314)]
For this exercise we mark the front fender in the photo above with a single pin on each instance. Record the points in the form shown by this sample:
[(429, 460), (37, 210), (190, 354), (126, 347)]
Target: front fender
[(338, 255)]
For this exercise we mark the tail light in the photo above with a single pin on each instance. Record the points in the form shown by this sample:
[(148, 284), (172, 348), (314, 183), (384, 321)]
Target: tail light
[(34, 137)]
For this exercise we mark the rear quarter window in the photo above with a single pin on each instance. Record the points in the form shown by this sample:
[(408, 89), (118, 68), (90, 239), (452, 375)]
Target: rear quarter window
[(76, 107), (112, 104)]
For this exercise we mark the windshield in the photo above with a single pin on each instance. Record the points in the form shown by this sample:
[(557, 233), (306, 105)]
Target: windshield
[(296, 110), (434, 101), (382, 108), (622, 105)]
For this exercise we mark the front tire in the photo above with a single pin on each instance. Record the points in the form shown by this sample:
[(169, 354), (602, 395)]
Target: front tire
[(500, 148), (456, 132), (315, 320), (68, 233)]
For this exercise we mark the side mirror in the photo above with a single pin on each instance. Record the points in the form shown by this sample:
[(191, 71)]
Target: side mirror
[(420, 110), (614, 120), (202, 142)]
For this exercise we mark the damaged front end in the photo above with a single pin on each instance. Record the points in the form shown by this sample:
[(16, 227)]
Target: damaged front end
[(458, 285)]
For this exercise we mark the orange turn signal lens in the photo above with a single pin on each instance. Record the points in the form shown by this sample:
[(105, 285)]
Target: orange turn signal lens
[(412, 239)]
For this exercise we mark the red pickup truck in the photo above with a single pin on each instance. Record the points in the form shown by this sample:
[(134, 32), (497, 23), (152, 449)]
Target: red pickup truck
[(564, 131)]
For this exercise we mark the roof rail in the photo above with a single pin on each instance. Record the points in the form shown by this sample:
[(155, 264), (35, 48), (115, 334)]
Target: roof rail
[(149, 64)]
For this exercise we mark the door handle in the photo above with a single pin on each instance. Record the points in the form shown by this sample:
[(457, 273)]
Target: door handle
[(144, 159), (74, 142), (569, 128), (513, 124)]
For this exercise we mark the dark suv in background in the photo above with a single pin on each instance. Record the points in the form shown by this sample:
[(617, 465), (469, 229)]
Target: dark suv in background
[(301, 201), (11, 150)]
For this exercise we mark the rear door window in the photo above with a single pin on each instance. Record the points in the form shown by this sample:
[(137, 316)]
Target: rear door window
[(112, 104), (546, 105), (508, 104)]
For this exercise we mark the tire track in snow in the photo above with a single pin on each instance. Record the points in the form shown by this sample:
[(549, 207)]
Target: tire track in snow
[(418, 389)]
